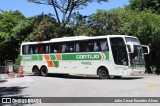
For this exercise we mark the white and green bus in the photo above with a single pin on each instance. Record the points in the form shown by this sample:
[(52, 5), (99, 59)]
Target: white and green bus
[(105, 56)]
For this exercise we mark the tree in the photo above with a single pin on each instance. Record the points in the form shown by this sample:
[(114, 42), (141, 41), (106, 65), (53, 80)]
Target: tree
[(8, 21), (143, 24), (44, 28), (23, 28), (143, 4), (65, 7), (78, 24), (101, 23)]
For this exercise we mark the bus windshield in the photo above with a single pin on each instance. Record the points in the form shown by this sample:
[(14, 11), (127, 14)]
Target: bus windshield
[(136, 58)]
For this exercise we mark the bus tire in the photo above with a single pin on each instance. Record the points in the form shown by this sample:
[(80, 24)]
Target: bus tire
[(103, 73), (44, 71), (36, 71)]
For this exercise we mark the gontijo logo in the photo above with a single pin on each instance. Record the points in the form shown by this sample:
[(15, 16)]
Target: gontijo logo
[(95, 56)]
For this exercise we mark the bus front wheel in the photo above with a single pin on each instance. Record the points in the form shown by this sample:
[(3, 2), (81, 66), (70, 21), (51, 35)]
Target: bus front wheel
[(44, 71), (103, 73)]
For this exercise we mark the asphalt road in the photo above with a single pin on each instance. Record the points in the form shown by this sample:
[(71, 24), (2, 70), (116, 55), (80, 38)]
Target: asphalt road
[(72, 86)]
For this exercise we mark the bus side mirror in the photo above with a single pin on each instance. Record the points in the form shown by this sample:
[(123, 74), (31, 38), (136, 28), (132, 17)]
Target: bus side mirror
[(146, 49), (130, 48)]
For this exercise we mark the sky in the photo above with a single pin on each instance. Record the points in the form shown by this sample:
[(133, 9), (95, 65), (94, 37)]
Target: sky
[(31, 9)]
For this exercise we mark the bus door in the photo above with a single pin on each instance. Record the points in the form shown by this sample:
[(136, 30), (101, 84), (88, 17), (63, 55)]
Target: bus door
[(120, 56)]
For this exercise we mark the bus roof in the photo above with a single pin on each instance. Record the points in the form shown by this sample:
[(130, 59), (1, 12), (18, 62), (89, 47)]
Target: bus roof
[(74, 38)]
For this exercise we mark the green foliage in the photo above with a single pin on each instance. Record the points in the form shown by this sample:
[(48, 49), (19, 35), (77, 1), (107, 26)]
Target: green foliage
[(7, 21), (145, 24), (9, 44), (44, 27), (2, 70), (103, 22), (145, 4), (17, 64), (17, 61), (22, 29)]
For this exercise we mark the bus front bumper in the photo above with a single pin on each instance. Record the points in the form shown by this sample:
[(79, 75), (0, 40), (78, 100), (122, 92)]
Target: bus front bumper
[(137, 72)]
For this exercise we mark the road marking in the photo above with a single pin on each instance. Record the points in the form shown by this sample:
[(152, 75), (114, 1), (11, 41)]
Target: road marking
[(154, 86)]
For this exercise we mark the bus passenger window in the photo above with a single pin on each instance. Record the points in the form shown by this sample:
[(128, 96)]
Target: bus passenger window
[(54, 48), (77, 47), (63, 48), (31, 50), (25, 49), (90, 46), (36, 50), (96, 48), (104, 46), (86, 48), (47, 49), (41, 50), (71, 49), (55, 51)]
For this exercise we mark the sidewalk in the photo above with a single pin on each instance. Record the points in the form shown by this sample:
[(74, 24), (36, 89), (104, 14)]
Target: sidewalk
[(6, 76)]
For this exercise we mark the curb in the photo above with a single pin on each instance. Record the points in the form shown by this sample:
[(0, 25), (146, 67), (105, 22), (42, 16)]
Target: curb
[(8, 76)]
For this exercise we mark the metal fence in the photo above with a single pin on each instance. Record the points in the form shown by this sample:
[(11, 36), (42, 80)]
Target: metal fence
[(5, 69)]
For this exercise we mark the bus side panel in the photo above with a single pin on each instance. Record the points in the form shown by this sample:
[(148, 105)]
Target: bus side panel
[(27, 66), (70, 64)]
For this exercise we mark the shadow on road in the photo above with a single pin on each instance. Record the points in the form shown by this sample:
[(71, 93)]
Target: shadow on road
[(65, 76), (13, 92), (128, 78), (10, 91), (2, 81)]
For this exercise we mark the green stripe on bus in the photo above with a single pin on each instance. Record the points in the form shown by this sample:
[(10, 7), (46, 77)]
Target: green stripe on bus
[(30, 58), (56, 63), (85, 56), (76, 56), (40, 57), (107, 55), (53, 57)]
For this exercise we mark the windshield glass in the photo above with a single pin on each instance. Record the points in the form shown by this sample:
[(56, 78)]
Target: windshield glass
[(136, 58)]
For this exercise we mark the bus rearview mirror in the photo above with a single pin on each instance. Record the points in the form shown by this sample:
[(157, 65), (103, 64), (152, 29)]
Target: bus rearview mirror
[(146, 49), (130, 48)]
